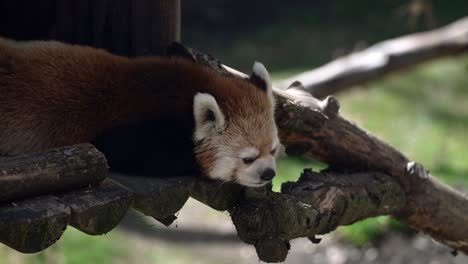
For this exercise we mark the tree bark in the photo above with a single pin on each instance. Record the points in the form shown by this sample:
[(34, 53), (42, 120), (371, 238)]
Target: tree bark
[(316, 204), (384, 57)]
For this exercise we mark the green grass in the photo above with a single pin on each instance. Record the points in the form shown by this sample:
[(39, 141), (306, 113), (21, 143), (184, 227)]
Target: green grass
[(76, 247), (73, 248), (289, 169), (369, 230)]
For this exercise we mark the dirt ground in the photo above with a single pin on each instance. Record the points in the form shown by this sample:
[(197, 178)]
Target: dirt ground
[(208, 236)]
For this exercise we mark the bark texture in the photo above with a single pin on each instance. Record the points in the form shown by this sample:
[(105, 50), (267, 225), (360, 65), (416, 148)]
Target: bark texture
[(316, 204)]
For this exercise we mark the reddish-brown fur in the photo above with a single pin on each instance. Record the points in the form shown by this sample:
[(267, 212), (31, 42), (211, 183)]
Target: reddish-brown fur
[(53, 94)]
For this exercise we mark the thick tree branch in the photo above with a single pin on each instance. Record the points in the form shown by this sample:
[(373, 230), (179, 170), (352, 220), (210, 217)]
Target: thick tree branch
[(384, 57), (316, 204), (313, 128), (432, 207)]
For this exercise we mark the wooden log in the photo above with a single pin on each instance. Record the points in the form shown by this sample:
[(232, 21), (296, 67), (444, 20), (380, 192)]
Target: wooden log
[(99, 209), (160, 198), (34, 224), (382, 58), (52, 171)]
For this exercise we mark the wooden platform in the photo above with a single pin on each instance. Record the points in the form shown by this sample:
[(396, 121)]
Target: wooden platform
[(41, 194)]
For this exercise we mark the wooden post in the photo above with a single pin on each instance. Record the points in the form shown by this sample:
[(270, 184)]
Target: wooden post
[(125, 27)]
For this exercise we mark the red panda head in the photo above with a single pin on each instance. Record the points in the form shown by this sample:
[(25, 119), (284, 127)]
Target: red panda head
[(236, 138)]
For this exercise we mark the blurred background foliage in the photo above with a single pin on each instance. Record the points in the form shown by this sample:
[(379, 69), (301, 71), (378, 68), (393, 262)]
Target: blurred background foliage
[(422, 111)]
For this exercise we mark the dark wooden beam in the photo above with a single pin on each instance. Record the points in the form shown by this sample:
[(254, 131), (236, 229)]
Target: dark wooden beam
[(33, 224), (160, 198), (98, 210), (52, 171), (124, 27)]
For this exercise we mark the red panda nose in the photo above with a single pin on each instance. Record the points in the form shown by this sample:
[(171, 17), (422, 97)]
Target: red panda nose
[(268, 175)]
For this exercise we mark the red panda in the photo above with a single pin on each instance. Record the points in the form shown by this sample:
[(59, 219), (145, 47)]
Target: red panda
[(54, 94)]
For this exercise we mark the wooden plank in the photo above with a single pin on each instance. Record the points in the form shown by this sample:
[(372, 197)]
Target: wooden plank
[(98, 210), (119, 26), (64, 29), (100, 14), (165, 24), (34, 224), (83, 22), (157, 197), (140, 21), (56, 170)]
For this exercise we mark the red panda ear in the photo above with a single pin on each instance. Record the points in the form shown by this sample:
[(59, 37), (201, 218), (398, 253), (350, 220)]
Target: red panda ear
[(260, 77), (208, 116)]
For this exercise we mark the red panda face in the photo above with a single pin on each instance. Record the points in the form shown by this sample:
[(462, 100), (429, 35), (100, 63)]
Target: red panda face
[(236, 136)]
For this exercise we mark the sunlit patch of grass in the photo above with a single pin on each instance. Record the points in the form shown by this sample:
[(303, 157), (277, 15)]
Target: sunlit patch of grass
[(74, 248), (368, 230), (92, 249), (290, 168)]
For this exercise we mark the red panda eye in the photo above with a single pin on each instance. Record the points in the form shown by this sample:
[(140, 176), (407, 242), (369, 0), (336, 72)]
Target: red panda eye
[(248, 160), (273, 151)]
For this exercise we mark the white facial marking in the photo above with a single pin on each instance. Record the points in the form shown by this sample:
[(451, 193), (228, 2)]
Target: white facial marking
[(275, 143), (202, 104), (249, 152), (245, 166), (223, 168), (250, 176)]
